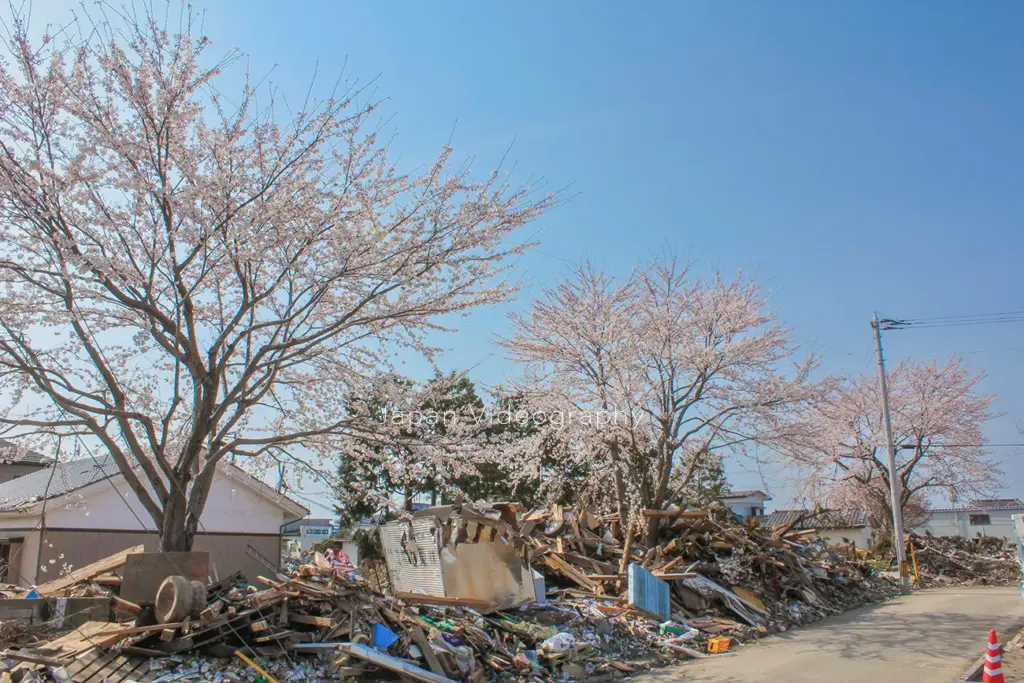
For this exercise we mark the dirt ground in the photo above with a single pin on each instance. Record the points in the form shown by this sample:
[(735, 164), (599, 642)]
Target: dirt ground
[(1013, 660)]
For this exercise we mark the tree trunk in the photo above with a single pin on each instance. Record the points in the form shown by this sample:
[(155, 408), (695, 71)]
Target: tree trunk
[(653, 528), (174, 536), (622, 507)]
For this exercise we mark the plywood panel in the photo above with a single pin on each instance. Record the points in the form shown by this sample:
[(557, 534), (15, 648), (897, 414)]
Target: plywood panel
[(493, 572)]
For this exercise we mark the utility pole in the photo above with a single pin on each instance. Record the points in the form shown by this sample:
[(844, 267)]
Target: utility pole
[(894, 482)]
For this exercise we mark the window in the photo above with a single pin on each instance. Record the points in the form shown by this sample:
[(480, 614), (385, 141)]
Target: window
[(979, 519), (756, 512)]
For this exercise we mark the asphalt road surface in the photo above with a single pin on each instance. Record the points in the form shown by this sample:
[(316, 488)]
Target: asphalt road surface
[(928, 637)]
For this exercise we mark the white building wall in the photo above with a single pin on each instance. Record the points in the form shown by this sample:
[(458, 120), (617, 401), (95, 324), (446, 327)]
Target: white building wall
[(742, 506), (863, 536), (231, 507), (29, 557), (950, 523)]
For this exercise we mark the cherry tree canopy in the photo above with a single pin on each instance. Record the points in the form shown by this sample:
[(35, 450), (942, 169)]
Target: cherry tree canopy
[(184, 276), (659, 371), (937, 412)]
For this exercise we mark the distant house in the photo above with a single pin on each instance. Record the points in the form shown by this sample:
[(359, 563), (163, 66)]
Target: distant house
[(70, 514), (746, 504), (990, 517), (17, 462), (837, 527), (303, 534)]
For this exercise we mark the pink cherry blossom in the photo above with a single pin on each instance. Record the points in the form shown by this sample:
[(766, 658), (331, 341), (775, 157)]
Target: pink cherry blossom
[(188, 274)]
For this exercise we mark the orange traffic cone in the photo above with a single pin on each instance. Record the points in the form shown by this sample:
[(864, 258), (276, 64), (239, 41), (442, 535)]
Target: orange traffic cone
[(993, 661)]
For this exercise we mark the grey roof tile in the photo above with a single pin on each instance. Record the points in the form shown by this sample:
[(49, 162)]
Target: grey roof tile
[(11, 453), (66, 477), (826, 519)]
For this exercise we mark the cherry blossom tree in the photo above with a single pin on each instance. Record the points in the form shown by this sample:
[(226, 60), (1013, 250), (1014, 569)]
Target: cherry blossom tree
[(678, 370), (187, 276), (938, 413), (573, 341)]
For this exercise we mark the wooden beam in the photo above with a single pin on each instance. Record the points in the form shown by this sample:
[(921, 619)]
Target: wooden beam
[(104, 566), (420, 599), (420, 638), (678, 514), (310, 620)]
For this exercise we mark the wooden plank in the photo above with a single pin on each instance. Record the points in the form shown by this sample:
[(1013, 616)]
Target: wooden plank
[(82, 662), (104, 566), (88, 635), (678, 514), (86, 674), (311, 620), (419, 599), (29, 657), (133, 670), (108, 580), (110, 670), (420, 639), (143, 652), (570, 572), (399, 666)]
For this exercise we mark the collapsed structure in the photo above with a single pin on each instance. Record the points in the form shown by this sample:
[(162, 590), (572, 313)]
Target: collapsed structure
[(958, 561), (475, 594)]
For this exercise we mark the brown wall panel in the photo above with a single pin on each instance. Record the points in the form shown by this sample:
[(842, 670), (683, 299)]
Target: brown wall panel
[(227, 551)]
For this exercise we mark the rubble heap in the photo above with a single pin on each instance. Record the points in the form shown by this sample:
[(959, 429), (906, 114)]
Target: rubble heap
[(768, 579), (958, 561), (611, 606)]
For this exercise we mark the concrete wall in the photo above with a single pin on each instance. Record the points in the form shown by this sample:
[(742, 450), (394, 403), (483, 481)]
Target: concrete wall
[(949, 523), (69, 549)]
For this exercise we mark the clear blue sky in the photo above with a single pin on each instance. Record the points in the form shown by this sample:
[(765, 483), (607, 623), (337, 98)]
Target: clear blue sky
[(852, 156)]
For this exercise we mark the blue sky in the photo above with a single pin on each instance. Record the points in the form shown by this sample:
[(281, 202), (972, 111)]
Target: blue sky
[(852, 156)]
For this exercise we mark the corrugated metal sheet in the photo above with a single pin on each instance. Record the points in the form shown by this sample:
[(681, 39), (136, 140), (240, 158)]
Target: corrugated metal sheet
[(648, 592), (418, 572)]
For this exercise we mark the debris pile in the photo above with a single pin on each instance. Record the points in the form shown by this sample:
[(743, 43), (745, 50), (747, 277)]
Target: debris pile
[(958, 561), (768, 580), (604, 605)]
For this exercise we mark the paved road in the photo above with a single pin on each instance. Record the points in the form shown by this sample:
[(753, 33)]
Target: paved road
[(928, 637)]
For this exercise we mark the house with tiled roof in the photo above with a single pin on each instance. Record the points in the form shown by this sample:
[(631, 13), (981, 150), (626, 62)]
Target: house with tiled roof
[(70, 514), (986, 517), (17, 461), (746, 504), (837, 527)]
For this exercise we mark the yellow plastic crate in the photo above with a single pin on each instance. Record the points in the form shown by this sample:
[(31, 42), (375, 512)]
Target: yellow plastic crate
[(719, 644)]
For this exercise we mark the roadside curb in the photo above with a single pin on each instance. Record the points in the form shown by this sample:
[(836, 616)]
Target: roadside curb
[(974, 672)]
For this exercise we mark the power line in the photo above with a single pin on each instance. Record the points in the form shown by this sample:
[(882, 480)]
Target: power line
[(1004, 314), (965, 445), (952, 320)]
